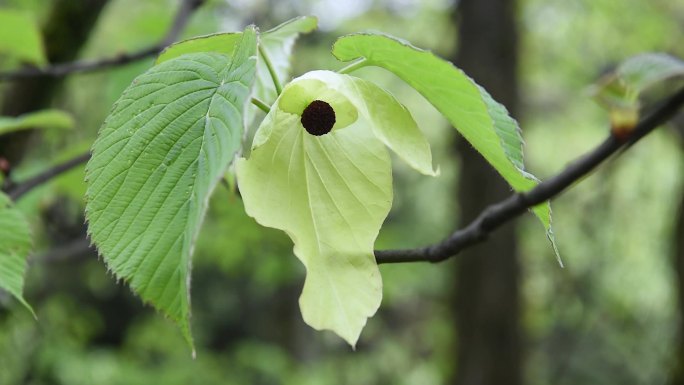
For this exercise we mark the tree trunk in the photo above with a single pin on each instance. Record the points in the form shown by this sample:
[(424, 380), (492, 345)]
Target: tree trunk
[(678, 265), (678, 374), (487, 300)]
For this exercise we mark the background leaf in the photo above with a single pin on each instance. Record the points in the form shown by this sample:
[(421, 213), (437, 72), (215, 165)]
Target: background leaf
[(330, 194), (20, 37), (159, 155), (45, 119), (15, 244), (622, 87), (469, 108), (642, 71)]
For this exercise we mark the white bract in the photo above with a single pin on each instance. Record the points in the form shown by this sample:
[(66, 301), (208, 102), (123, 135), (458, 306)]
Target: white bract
[(331, 193)]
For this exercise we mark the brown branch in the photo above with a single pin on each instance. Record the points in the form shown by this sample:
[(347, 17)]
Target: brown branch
[(496, 215), (493, 217), (17, 190), (78, 249), (56, 70)]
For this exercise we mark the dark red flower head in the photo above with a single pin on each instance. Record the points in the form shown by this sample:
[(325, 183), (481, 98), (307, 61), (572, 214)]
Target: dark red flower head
[(318, 118)]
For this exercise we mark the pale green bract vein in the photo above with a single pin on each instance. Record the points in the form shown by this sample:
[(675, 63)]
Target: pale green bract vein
[(15, 244), (159, 155), (468, 107)]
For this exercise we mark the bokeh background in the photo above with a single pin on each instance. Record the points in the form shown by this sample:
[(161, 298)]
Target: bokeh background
[(503, 313)]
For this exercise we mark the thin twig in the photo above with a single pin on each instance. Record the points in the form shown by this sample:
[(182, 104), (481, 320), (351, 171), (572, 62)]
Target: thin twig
[(70, 252), (494, 216), (56, 70), (17, 190)]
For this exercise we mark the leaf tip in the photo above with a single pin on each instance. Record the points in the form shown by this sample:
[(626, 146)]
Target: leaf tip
[(433, 171), (184, 324), (314, 21), (28, 307), (551, 236)]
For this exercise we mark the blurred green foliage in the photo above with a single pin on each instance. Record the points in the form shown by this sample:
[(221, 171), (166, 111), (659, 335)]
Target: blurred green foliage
[(607, 317), (20, 40)]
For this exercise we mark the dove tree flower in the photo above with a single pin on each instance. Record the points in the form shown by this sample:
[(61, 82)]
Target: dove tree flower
[(318, 169), (331, 191)]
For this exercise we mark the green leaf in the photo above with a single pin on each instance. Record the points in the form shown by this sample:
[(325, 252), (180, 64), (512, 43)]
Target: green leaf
[(468, 107), (15, 244), (277, 42), (329, 193), (159, 155), (620, 90), (224, 43), (44, 119), (645, 70), (20, 37)]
